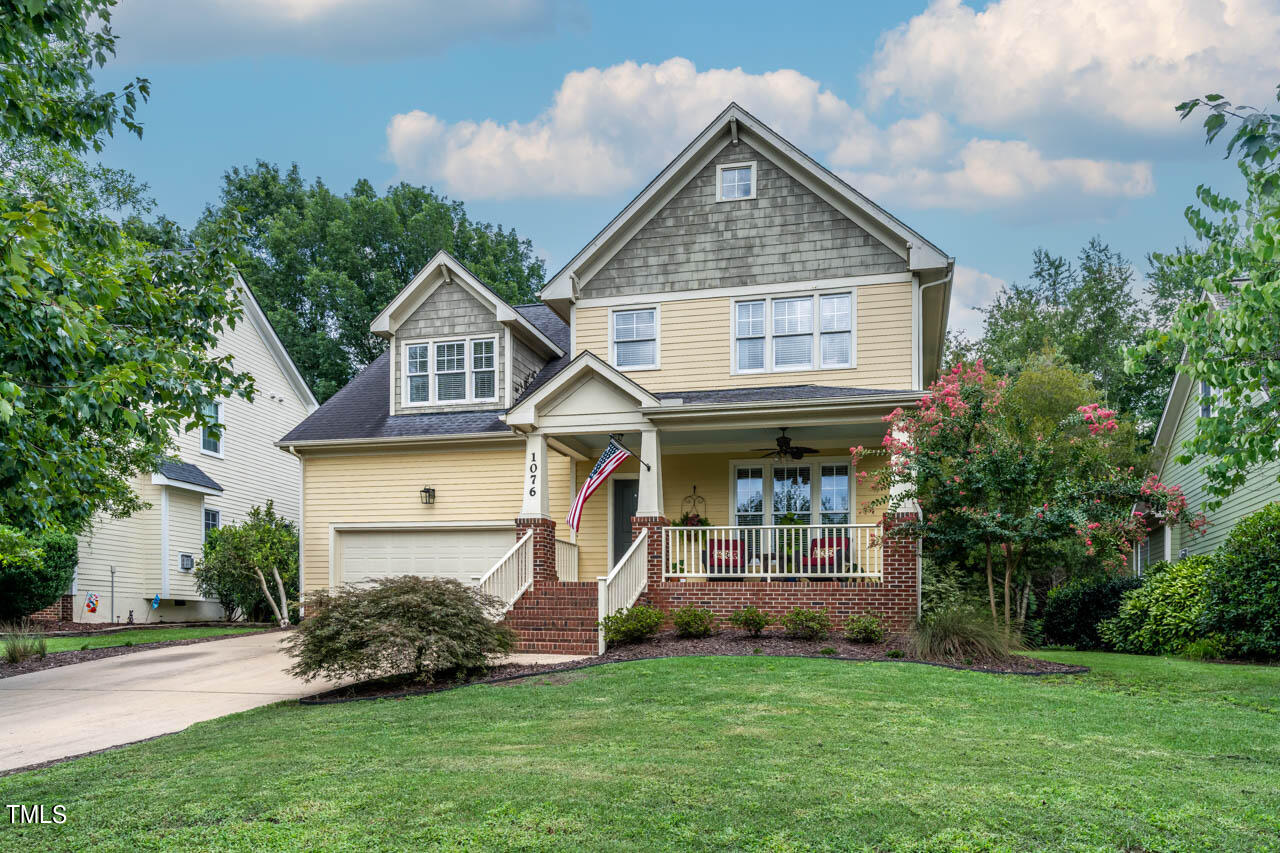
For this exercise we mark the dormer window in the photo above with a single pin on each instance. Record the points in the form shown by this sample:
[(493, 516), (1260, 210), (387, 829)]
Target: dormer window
[(417, 373), (450, 371), (735, 181)]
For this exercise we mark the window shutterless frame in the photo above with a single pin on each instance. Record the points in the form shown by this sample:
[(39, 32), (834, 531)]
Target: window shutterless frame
[(473, 360), (736, 181), (758, 326), (820, 468), (635, 331), (209, 445)]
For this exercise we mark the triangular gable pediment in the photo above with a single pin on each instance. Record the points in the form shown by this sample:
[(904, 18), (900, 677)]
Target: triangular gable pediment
[(585, 390)]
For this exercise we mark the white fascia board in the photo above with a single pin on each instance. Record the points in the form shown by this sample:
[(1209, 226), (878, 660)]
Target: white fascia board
[(1173, 406), (673, 408), (268, 334), (587, 361), (162, 480)]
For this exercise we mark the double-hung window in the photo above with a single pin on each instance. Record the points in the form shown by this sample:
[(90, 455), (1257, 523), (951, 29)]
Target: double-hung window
[(793, 333), (211, 435), (635, 338), (836, 341), (417, 373), (212, 521), (484, 375), (749, 331), (451, 371), (1206, 399)]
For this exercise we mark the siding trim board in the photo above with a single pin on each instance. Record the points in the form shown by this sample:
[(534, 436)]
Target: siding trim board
[(796, 287)]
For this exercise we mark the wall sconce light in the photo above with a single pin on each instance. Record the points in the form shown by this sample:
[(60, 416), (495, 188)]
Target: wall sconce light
[(428, 495)]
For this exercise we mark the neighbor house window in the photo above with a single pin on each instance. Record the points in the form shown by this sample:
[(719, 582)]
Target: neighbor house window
[(635, 338), (212, 521), (735, 181), (451, 371), (1206, 400), (418, 373), (484, 376), (794, 333), (211, 436)]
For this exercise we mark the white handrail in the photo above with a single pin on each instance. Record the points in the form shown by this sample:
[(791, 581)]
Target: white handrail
[(512, 575), (566, 561), (624, 583), (766, 551)]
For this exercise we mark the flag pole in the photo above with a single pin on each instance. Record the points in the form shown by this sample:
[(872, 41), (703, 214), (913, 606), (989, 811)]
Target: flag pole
[(616, 438)]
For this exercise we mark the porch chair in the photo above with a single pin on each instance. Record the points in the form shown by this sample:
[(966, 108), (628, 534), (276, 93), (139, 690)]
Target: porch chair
[(827, 556), (724, 556)]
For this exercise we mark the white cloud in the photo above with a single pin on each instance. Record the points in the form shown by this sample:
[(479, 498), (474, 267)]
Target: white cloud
[(339, 30), (1019, 64), (610, 129), (972, 289), (989, 173)]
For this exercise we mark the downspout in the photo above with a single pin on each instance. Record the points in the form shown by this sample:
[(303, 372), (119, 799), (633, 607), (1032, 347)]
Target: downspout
[(942, 322)]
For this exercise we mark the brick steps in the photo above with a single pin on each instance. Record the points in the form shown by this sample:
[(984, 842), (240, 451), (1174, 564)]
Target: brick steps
[(556, 618)]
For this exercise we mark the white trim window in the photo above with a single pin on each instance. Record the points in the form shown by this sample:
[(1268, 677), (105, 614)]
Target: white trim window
[(817, 490), (1206, 399), (451, 372), (484, 372), (457, 370), (417, 366), (633, 339), (211, 437), (735, 181), (789, 333), (212, 521)]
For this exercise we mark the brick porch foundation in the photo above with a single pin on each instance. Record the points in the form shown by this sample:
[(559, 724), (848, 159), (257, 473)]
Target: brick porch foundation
[(62, 610)]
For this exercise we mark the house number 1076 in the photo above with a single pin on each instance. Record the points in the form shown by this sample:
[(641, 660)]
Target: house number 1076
[(533, 475)]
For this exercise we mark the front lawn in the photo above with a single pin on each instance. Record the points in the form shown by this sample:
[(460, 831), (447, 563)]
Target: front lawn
[(711, 753), (138, 636)]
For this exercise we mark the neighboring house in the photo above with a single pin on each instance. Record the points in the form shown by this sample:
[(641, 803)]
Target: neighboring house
[(211, 481), (1188, 400), (746, 289)]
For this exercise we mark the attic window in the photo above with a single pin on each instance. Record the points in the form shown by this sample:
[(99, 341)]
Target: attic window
[(735, 181)]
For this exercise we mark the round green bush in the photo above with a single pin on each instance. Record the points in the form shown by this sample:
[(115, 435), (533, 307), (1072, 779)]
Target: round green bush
[(1072, 611), (1243, 606), (1166, 613), (805, 624), (866, 628), (34, 573), (631, 625), (753, 620), (693, 622)]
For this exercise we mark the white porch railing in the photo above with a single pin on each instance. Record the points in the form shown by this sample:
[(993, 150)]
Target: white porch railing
[(511, 575), (566, 560), (815, 551), (625, 581)]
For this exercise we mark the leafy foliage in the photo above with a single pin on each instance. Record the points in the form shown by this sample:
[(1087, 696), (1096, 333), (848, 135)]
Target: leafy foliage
[(631, 625), (26, 582), (1072, 611), (1165, 613), (1243, 604), (323, 265), (957, 634), (693, 622), (407, 626), (238, 559), (753, 620), (867, 628), (805, 624)]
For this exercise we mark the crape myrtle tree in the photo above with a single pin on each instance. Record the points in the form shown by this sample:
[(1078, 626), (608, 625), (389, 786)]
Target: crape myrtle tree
[(105, 346), (985, 477)]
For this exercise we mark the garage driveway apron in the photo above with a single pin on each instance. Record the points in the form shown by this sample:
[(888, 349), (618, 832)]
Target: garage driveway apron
[(84, 707)]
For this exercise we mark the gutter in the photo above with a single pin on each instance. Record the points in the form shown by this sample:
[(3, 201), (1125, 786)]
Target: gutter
[(861, 401), (288, 446)]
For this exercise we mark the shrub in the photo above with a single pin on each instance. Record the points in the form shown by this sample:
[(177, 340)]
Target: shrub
[(893, 653), (866, 628), (1243, 602), (961, 633), (408, 626), (1072, 611), (805, 624), (22, 640), (751, 619), (233, 557), (24, 579), (693, 622), (631, 625), (1205, 648), (1165, 613)]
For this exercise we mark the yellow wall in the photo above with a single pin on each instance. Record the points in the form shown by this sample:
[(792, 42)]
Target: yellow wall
[(695, 345), (472, 483)]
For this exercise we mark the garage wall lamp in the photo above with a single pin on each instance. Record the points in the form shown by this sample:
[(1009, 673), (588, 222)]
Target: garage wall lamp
[(428, 495)]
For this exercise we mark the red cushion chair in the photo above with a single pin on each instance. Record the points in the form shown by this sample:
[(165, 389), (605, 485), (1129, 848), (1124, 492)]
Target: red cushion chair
[(827, 555), (726, 555)]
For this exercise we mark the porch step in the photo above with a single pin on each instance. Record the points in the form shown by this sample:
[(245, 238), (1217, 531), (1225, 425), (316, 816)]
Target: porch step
[(558, 618)]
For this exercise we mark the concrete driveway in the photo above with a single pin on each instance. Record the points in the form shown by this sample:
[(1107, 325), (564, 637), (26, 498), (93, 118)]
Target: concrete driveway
[(90, 706)]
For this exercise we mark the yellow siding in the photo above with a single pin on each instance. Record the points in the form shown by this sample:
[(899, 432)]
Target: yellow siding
[(695, 345), (472, 483)]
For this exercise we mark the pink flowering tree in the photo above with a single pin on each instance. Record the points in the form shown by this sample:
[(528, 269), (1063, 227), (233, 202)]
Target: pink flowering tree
[(980, 475)]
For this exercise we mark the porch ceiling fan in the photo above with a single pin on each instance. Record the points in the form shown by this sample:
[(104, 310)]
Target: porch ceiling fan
[(785, 450)]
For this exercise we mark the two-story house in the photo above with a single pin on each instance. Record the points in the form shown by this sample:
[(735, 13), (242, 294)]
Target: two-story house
[(213, 479), (741, 324)]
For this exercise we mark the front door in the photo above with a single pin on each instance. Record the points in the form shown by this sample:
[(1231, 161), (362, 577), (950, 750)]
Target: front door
[(626, 497)]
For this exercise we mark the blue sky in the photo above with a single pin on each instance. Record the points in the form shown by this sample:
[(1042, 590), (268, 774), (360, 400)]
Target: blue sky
[(990, 128)]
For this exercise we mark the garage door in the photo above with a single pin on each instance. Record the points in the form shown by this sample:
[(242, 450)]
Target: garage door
[(459, 553)]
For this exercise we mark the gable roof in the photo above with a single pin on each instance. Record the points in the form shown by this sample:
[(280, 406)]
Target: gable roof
[(445, 268), (258, 318), (732, 123), (586, 362)]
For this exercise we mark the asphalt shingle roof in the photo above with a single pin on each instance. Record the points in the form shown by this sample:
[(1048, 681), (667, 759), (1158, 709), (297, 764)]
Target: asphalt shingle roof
[(185, 472)]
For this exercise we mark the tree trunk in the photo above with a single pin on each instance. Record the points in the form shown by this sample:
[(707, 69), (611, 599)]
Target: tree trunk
[(1025, 600), (284, 599), (991, 588), (267, 592)]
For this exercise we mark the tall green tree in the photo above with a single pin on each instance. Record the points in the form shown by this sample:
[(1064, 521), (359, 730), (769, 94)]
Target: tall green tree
[(323, 265), (105, 346)]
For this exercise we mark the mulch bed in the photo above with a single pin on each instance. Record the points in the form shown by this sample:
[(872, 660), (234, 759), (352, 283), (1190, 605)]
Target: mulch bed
[(724, 644), (56, 659)]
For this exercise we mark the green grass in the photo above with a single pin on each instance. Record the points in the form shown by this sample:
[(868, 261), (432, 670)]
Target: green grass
[(138, 636), (750, 753)]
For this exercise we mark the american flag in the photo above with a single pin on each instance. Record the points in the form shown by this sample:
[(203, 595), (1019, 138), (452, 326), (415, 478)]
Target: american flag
[(613, 456)]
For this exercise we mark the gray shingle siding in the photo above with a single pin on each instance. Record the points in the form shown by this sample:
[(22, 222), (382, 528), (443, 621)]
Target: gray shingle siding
[(786, 233)]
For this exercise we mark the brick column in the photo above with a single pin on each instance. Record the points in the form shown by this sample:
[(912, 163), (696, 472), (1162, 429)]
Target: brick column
[(655, 525), (901, 578), (544, 547)]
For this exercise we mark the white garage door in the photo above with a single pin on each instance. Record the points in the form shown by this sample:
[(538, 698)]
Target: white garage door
[(459, 553)]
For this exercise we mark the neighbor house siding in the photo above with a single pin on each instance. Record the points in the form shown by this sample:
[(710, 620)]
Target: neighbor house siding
[(478, 482), (695, 339), (130, 545), (449, 312), (1260, 489), (786, 233)]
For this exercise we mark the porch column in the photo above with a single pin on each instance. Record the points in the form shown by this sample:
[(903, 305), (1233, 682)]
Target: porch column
[(649, 512), (909, 507), (535, 510)]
